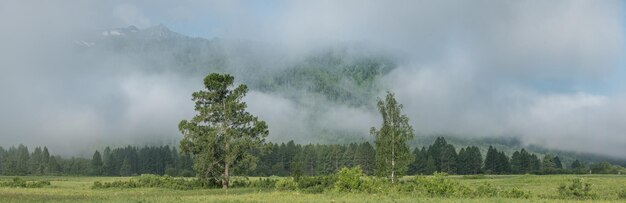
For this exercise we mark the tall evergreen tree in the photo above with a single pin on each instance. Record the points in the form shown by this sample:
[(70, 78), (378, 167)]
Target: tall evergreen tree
[(503, 164), (475, 159), (436, 150), (365, 157), (491, 160), (469, 160), (23, 157), (223, 132), (557, 162), (392, 153), (448, 159), (126, 168), (45, 159), (418, 165), (96, 164), (548, 164), (430, 166)]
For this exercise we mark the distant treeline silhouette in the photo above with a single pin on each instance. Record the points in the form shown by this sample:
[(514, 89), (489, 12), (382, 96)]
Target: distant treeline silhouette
[(287, 159)]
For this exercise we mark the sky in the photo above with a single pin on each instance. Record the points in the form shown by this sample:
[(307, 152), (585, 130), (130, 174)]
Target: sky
[(549, 72)]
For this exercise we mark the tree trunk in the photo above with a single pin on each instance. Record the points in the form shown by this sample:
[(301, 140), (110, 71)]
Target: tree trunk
[(225, 180)]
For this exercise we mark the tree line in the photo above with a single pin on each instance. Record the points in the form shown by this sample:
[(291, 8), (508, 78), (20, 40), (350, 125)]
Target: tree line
[(124, 161), (291, 159)]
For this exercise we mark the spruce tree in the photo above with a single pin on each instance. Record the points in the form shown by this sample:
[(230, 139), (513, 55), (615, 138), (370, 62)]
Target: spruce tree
[(475, 159), (448, 159), (96, 164), (126, 168), (365, 156), (557, 162), (491, 160)]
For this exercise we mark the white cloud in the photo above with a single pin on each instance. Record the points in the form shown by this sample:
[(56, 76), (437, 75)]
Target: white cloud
[(131, 15)]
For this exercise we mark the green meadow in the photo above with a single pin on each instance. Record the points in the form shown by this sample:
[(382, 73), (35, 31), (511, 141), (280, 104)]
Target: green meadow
[(542, 188)]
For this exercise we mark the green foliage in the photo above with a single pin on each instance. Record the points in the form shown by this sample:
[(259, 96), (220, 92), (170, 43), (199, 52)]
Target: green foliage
[(315, 184), (436, 186), (577, 189), (20, 183), (392, 153), (621, 194), (154, 181), (286, 184), (601, 168), (496, 162), (223, 133), (264, 183), (349, 180)]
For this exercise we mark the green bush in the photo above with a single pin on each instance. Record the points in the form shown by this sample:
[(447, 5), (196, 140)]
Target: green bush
[(240, 183), (577, 189), (315, 184), (286, 184), (153, 181), (349, 180), (264, 183), (19, 183), (515, 193)]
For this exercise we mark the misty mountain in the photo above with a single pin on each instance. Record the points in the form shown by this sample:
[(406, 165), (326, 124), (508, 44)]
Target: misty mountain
[(320, 96), (339, 74)]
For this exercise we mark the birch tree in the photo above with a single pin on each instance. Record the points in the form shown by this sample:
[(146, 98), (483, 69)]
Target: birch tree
[(392, 153), (222, 133)]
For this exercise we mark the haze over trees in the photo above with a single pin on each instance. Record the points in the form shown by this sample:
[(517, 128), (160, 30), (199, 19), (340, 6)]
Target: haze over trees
[(222, 134)]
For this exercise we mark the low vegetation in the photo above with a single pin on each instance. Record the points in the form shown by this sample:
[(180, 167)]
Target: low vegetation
[(20, 183)]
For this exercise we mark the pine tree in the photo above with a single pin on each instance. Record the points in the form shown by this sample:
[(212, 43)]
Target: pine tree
[(392, 153), (223, 133), (461, 162), (53, 166), (436, 150), (503, 164), (491, 160), (96, 164), (557, 162), (430, 166), (45, 159), (535, 163), (365, 157), (126, 168), (448, 159), (35, 161), (548, 165), (23, 157), (475, 160)]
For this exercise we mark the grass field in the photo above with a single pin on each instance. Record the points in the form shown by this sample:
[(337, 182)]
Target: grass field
[(77, 189)]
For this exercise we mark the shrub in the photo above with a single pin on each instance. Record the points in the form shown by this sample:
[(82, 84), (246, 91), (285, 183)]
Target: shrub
[(515, 193), (153, 181), (436, 186), (578, 189), (286, 184), (240, 183), (19, 183), (349, 180), (262, 183), (315, 184)]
